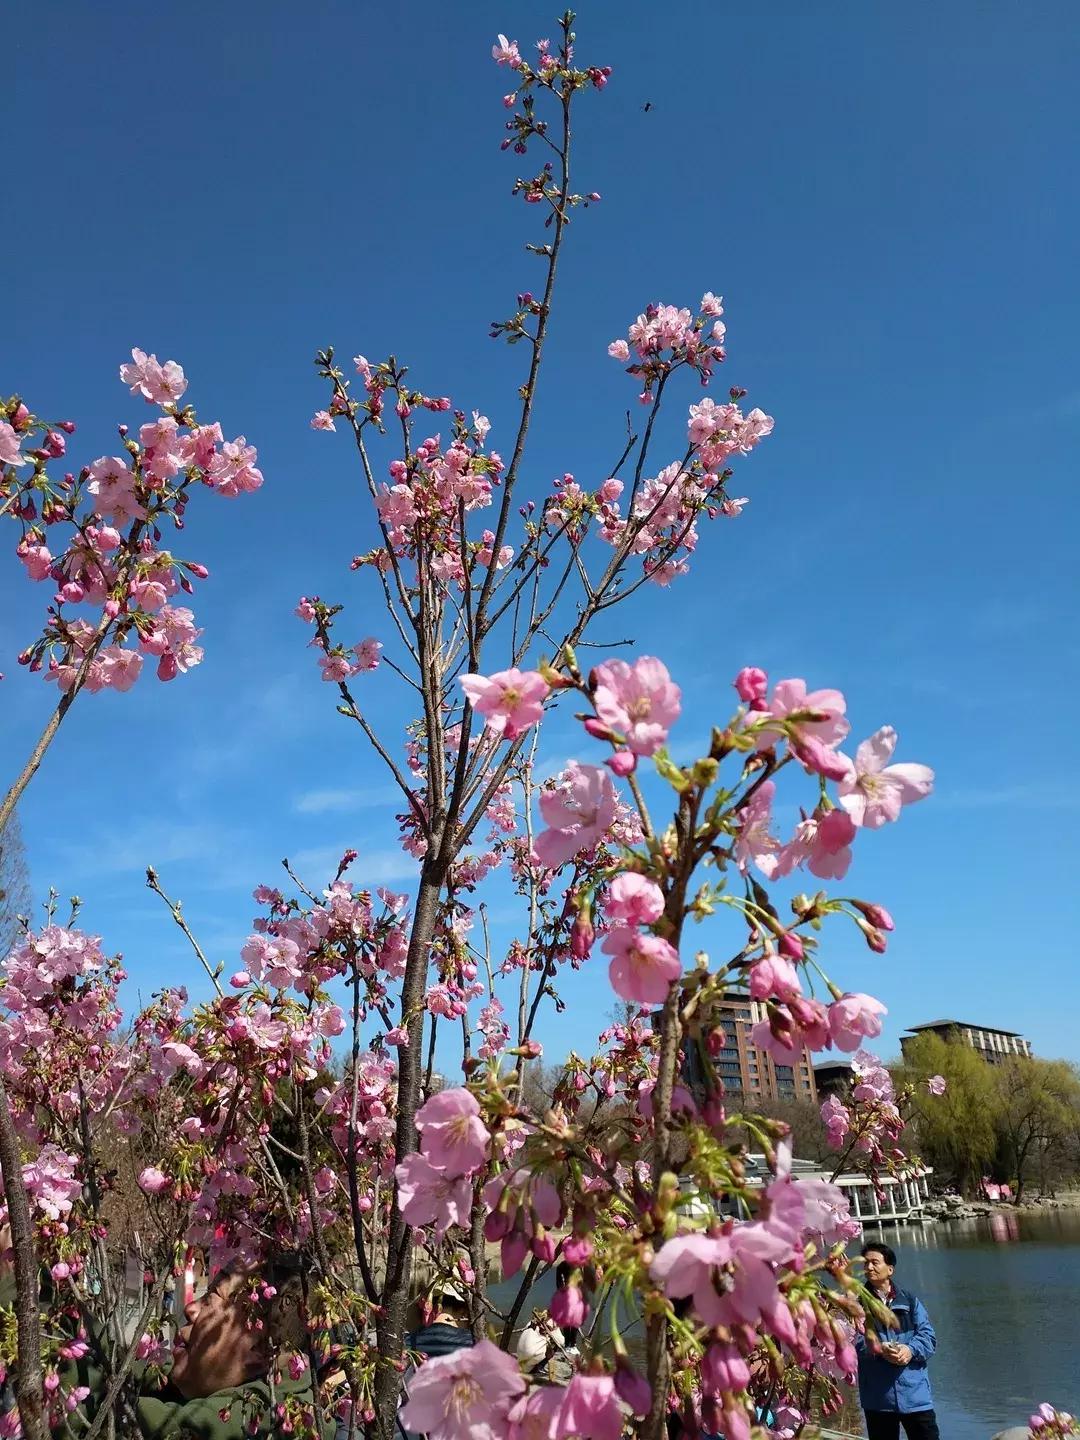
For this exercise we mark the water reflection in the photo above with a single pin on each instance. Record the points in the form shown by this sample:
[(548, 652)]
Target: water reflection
[(1005, 1227)]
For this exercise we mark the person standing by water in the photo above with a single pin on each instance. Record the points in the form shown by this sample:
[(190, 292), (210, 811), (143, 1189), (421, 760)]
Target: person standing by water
[(894, 1382)]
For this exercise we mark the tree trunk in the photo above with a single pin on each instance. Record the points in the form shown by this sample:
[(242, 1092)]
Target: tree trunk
[(390, 1325), (28, 1374)]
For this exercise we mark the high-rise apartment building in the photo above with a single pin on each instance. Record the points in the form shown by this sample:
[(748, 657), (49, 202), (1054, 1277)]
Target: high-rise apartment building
[(750, 1073), (993, 1045)]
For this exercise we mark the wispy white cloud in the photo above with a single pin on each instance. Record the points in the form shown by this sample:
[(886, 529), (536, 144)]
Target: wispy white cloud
[(334, 800), (157, 843), (1031, 795)]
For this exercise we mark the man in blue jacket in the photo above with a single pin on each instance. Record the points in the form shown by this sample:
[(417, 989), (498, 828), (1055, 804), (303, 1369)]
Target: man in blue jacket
[(894, 1384)]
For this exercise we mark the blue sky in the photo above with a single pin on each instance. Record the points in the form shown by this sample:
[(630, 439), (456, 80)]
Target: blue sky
[(882, 196)]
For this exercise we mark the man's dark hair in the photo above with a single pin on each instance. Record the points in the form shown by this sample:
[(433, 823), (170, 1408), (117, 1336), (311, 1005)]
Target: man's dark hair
[(878, 1247), (563, 1271)]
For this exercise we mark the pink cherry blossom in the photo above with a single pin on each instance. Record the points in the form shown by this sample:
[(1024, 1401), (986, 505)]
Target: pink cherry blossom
[(755, 843), (335, 668), (464, 1395), (754, 1297), (232, 470), (431, 1197), (810, 1208), (152, 1180), (535, 1415), (568, 1308), (773, 975), (579, 810), (643, 967), (454, 1138), (752, 685), (322, 420), (791, 696), (37, 559), (505, 52), (634, 899), (510, 700), (685, 1264), (273, 959), (591, 1409), (837, 1120), (822, 843), (874, 791), (792, 1027), (618, 350), (640, 701), (159, 384), (10, 453), (723, 1368), (112, 485), (936, 1085), (163, 451), (817, 757), (853, 1018), (50, 1180), (119, 668), (367, 655)]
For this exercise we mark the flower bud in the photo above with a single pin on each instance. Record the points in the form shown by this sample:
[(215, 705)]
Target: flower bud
[(597, 729), (582, 935), (622, 763), (751, 683), (577, 1250), (874, 938), (877, 915), (543, 1246), (790, 946)]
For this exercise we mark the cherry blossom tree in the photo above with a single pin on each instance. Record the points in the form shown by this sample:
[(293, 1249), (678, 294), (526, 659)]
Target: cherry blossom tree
[(297, 1105)]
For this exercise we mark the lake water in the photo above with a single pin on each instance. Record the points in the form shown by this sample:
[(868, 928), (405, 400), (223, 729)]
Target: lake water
[(1003, 1292)]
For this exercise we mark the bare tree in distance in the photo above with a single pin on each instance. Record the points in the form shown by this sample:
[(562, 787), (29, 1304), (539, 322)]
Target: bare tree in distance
[(15, 896)]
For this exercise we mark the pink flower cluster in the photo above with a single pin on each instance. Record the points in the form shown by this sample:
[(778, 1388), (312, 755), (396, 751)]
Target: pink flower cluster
[(644, 966), (664, 337), (435, 1182), (636, 706), (51, 1182), (578, 810), (522, 1208), (112, 512), (510, 700), (869, 1121), (479, 1393), (870, 792), (1050, 1424), (426, 494), (731, 1275)]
